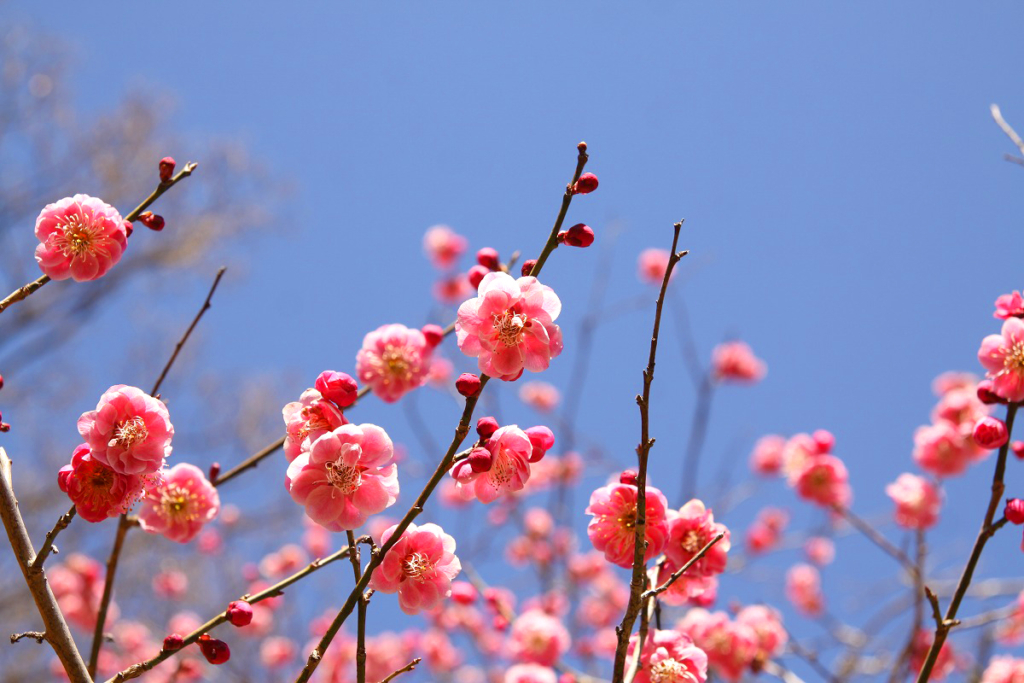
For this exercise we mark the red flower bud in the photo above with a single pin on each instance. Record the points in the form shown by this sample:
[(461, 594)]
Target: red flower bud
[(152, 221), (586, 184), (214, 472), (990, 432), (528, 266), (337, 387), (582, 147), (468, 384), (433, 334), (560, 237), (166, 169), (1, 381), (128, 228), (486, 426), (215, 651), (62, 477), (1014, 511), (579, 235), (464, 592), (628, 477), (824, 440), (542, 440), (4, 427), (239, 613), (985, 393), (1018, 449), (173, 642), (480, 460), (476, 275), (488, 258), (500, 622)]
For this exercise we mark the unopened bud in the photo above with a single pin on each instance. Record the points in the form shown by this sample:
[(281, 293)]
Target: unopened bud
[(173, 642), (214, 472), (152, 221), (239, 613), (4, 427), (433, 334), (985, 393), (824, 440), (128, 228), (990, 432), (488, 258), (542, 439), (480, 460), (500, 622), (528, 266), (215, 651), (579, 235), (628, 477), (464, 593), (582, 147), (1014, 511), (476, 275), (586, 184), (166, 169), (62, 477), (338, 387), (486, 426), (1018, 449), (468, 384)]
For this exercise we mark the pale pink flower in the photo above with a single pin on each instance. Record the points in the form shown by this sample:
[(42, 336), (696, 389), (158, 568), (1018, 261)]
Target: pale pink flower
[(346, 476), (419, 567), (130, 431), (946, 662), (510, 450), (1003, 669), (1010, 631), (689, 530), (953, 380), (960, 405), (453, 289), (438, 651), (179, 504), (917, 501), (440, 373), (443, 246), (393, 361), (539, 637), (541, 396), (803, 589), (170, 584), (686, 590), (1009, 306), (825, 481), (78, 587), (306, 420), (799, 450), (668, 657), (766, 623), (820, 550), (1002, 355), (510, 326), (97, 491), (766, 531), (651, 266), (767, 457), (277, 651), (612, 530), (735, 361), (385, 653), (730, 645), (80, 237), (942, 449), (530, 673)]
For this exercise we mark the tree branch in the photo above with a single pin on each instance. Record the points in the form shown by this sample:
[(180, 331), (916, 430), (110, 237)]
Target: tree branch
[(47, 547)]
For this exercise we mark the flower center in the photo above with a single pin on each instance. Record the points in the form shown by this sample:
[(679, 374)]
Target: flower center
[(130, 432), (76, 237), (670, 671), (692, 542), (509, 327), (501, 469), (342, 477), (177, 503), (627, 520), (1014, 361), (416, 565)]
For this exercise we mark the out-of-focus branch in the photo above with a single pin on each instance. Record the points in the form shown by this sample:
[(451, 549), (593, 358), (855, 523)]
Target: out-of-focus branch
[(654, 592), (878, 539), (898, 671), (56, 629), (997, 115), (123, 525), (638, 582)]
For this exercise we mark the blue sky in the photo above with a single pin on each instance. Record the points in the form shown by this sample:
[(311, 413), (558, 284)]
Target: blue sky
[(849, 213)]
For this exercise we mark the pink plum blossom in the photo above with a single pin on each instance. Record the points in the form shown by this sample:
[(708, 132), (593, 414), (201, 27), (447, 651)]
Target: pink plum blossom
[(510, 450), (346, 476), (766, 623), (539, 637), (419, 567), (393, 361), (942, 449), (97, 491), (1002, 355), (917, 501), (730, 645), (530, 673), (820, 550), (77, 585), (443, 246), (1009, 306), (803, 589), (651, 266), (735, 361), (306, 420), (692, 528), (277, 651), (510, 326), (541, 396), (825, 481), (612, 529), (668, 657), (130, 431), (80, 237), (1003, 669), (179, 504), (767, 457)]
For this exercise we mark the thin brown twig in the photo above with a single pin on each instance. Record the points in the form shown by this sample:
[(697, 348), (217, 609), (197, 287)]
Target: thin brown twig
[(638, 582), (552, 243), (37, 636), (47, 547), (184, 338), (898, 671), (878, 539), (654, 592), (277, 589), (357, 571), (55, 627), (123, 525), (408, 667)]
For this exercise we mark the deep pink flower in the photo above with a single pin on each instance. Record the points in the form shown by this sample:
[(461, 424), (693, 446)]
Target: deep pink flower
[(1009, 306), (730, 645), (825, 481), (306, 420), (990, 432), (346, 476), (803, 589), (689, 530), (735, 361), (917, 501), (393, 361), (80, 237), (668, 657), (419, 567), (130, 431), (1002, 355), (97, 491), (767, 457), (510, 450), (443, 246), (539, 637), (338, 387), (942, 449), (651, 266), (510, 326), (179, 504), (530, 673), (612, 530), (766, 623)]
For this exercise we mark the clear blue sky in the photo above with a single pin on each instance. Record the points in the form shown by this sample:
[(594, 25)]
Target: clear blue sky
[(848, 210)]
